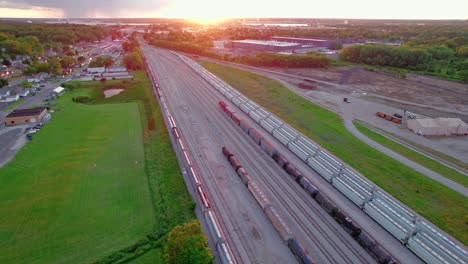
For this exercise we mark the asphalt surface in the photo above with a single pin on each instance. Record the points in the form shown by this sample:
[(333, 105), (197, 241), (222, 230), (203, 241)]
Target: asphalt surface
[(194, 104)]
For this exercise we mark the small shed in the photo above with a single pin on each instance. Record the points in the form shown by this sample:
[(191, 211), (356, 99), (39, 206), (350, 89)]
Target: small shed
[(59, 91)]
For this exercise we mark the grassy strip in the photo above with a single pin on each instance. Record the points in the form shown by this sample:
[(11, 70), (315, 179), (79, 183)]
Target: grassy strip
[(439, 204), (441, 155), (13, 105), (414, 156)]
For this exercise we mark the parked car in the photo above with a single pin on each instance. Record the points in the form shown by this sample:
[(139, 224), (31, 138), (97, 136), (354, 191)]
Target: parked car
[(32, 131), (397, 115)]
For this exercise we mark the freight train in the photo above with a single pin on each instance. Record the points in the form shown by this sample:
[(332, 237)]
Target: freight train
[(301, 254), (368, 243)]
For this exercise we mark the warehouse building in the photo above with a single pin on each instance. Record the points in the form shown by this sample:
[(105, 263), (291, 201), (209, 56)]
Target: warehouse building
[(307, 41), (438, 126), (25, 116), (262, 45)]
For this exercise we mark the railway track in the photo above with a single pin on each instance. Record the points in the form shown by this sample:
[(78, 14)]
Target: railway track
[(324, 238)]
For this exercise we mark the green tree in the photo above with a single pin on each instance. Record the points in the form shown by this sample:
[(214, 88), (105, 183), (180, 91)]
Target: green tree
[(68, 62), (30, 70), (42, 67), (133, 61), (186, 244), (3, 82), (54, 66), (463, 75)]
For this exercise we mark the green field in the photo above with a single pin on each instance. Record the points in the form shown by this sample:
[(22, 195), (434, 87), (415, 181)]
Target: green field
[(93, 181), (439, 204), (414, 156)]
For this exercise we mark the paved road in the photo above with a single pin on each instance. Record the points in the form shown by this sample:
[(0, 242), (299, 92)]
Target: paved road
[(206, 129), (429, 173)]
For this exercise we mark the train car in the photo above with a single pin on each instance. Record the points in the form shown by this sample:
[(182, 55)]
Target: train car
[(300, 253), (229, 111), (255, 135), (326, 204), (258, 194), (278, 222), (296, 175), (245, 126), (289, 168), (236, 118), (309, 187), (366, 241), (227, 152), (203, 198), (234, 162), (350, 226), (281, 160), (223, 105), (268, 147), (175, 133), (380, 254), (244, 176)]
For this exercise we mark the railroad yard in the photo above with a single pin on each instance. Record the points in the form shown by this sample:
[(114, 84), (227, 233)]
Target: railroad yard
[(206, 129)]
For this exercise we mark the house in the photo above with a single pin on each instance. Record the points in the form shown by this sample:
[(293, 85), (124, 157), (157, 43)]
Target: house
[(24, 93), (25, 116), (116, 69), (96, 69), (34, 78), (4, 93), (11, 98), (59, 91)]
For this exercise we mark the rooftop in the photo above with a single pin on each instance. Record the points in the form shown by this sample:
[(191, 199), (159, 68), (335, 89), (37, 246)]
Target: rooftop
[(26, 112), (266, 42), (304, 39)]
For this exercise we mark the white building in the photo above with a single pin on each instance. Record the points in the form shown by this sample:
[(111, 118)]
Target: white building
[(59, 91), (438, 126), (96, 69)]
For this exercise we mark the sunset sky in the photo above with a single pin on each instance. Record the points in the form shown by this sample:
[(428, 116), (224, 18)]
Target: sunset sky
[(215, 9)]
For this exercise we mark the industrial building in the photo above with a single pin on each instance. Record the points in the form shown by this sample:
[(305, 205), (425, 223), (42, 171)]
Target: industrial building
[(438, 126), (262, 45), (25, 116), (307, 41)]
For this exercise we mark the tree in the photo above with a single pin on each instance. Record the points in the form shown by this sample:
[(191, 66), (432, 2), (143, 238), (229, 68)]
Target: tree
[(3, 82), (30, 70), (133, 61), (68, 62), (187, 244), (81, 59), (6, 62), (463, 75), (54, 66), (42, 67)]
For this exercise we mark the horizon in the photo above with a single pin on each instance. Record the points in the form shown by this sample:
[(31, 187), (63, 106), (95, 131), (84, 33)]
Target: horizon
[(216, 10)]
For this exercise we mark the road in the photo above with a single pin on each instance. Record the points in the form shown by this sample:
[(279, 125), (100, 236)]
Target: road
[(206, 129)]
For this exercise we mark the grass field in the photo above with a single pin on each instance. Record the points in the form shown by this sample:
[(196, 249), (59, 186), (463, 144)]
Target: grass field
[(439, 204), (93, 181), (414, 156), (78, 190)]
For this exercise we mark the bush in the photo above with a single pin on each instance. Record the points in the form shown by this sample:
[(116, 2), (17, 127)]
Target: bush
[(81, 99), (103, 79)]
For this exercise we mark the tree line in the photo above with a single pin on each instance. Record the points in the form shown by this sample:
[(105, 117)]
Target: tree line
[(261, 59)]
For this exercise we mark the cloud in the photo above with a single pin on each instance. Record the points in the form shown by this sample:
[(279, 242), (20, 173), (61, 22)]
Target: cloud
[(90, 8)]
